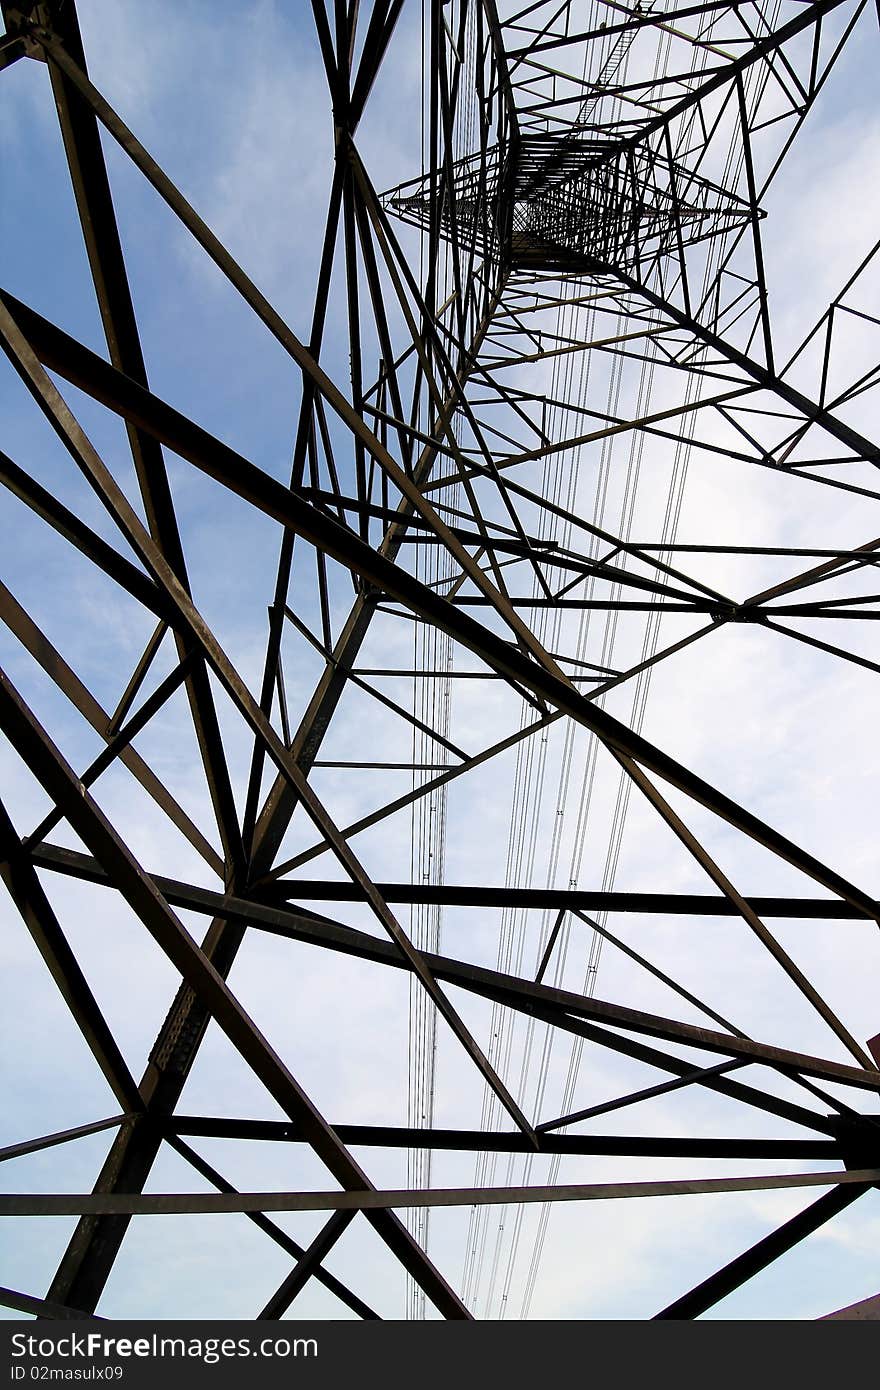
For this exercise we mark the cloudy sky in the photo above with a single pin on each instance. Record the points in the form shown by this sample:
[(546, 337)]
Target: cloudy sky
[(232, 102)]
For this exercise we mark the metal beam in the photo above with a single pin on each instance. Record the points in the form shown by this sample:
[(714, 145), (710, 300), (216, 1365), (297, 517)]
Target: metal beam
[(778, 1243), (170, 1204)]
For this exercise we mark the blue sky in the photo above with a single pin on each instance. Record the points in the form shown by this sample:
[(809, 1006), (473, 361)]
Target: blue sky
[(245, 132)]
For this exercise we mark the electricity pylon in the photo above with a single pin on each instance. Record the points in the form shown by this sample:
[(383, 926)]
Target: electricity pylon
[(578, 266)]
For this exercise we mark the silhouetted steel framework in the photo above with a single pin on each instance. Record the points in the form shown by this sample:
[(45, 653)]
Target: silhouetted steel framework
[(595, 189)]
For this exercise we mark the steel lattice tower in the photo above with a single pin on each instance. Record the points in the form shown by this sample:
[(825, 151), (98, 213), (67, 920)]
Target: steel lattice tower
[(573, 287)]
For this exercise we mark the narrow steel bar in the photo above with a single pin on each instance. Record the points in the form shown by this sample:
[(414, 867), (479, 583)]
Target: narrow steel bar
[(64, 1136), (43, 1307), (138, 676), (273, 1230), (510, 1141), (778, 1243), (170, 1204), (41, 649), (306, 1266), (778, 952), (648, 1093), (27, 893), (83, 538), (648, 904), (120, 740)]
